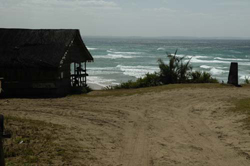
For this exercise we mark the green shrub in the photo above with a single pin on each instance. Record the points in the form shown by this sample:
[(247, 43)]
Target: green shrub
[(247, 81), (177, 71), (147, 81), (81, 90), (202, 77)]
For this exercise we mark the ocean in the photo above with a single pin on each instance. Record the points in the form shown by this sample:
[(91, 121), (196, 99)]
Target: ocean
[(118, 60)]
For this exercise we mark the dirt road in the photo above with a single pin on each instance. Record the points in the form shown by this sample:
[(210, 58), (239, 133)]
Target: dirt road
[(174, 127)]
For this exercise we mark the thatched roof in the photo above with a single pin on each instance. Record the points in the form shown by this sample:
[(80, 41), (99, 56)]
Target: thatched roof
[(37, 48)]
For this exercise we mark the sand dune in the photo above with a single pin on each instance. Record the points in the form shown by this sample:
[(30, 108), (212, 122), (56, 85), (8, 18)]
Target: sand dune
[(185, 126)]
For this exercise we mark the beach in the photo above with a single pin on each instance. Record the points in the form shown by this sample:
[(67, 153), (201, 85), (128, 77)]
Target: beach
[(166, 125), (94, 86)]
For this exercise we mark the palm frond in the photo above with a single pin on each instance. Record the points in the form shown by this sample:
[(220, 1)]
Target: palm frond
[(176, 51)]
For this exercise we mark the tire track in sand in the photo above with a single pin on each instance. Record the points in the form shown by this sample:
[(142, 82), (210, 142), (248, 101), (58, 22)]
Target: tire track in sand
[(135, 151)]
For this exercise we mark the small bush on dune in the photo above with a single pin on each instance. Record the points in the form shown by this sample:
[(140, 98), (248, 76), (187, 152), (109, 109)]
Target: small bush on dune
[(247, 81), (202, 77), (177, 71), (126, 85), (147, 81)]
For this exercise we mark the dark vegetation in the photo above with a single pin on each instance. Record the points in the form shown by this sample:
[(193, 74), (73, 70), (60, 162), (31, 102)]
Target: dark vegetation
[(34, 142), (81, 90), (177, 71), (242, 106), (247, 80)]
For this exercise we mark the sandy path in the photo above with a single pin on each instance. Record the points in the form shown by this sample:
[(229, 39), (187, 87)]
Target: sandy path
[(135, 151), (176, 127)]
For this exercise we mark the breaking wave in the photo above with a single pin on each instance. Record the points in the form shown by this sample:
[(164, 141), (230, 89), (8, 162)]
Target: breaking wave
[(229, 59), (137, 71), (115, 56), (90, 48), (103, 82), (216, 72), (206, 67), (161, 49)]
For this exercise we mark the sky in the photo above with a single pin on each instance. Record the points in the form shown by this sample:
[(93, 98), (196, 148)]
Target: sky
[(149, 18)]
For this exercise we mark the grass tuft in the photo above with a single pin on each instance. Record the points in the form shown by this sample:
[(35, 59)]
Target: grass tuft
[(242, 106)]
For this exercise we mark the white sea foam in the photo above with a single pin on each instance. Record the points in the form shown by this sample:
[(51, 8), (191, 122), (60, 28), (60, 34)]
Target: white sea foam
[(181, 55), (128, 53), (191, 56), (210, 67), (229, 59), (115, 56), (161, 49), (206, 67), (123, 52), (216, 72), (110, 50), (196, 60), (90, 48), (137, 71), (222, 67), (101, 81), (201, 57), (103, 70), (243, 77)]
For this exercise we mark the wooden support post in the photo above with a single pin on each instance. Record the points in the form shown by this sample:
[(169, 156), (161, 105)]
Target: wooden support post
[(80, 72), (74, 68), (74, 78), (233, 74), (85, 69)]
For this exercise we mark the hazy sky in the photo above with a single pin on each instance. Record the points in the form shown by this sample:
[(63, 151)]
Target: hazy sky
[(198, 18)]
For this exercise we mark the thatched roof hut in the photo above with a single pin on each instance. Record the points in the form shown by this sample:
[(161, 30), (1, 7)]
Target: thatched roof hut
[(42, 60)]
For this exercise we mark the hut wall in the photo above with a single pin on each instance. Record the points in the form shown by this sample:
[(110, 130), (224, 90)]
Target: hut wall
[(37, 81), (29, 81), (63, 72), (0, 85), (28, 74), (63, 83)]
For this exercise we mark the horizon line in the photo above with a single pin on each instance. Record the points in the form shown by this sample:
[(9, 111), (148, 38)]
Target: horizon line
[(170, 37)]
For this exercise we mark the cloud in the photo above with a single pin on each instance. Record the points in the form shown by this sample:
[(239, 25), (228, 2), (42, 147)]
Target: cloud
[(59, 4), (160, 10), (233, 3)]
